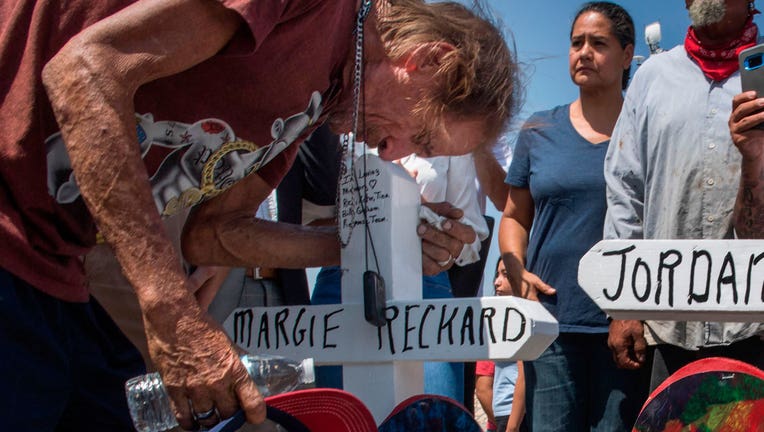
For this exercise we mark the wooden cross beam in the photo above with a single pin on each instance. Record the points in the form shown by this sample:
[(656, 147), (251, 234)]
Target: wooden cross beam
[(382, 365), (676, 280)]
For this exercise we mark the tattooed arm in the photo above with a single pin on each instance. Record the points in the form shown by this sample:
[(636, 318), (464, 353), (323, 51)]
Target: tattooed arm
[(747, 114), (748, 217)]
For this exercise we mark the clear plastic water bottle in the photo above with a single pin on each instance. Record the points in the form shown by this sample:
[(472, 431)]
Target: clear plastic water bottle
[(149, 403)]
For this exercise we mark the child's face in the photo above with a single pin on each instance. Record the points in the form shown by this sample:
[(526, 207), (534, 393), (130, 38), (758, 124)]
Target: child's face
[(501, 283)]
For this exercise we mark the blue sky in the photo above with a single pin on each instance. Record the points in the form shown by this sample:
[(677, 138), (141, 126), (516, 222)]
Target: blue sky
[(540, 29)]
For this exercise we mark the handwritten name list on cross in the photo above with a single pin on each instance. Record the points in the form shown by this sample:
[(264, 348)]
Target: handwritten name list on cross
[(382, 365)]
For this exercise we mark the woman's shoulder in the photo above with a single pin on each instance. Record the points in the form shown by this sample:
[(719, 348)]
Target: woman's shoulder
[(546, 118)]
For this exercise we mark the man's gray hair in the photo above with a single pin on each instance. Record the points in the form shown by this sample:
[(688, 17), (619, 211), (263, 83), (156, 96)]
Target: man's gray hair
[(706, 12)]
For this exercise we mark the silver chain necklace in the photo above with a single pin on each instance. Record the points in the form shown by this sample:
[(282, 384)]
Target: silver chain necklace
[(358, 66), (348, 143), (373, 284)]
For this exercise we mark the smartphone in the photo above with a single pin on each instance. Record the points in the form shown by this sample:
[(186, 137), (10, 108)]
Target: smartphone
[(751, 62), (752, 69)]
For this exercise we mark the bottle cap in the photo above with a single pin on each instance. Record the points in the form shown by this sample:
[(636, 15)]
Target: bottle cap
[(308, 370)]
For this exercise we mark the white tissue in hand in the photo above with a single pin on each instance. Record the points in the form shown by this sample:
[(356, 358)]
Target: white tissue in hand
[(431, 217)]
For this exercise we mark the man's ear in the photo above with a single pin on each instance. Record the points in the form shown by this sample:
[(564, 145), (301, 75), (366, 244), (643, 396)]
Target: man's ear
[(427, 57)]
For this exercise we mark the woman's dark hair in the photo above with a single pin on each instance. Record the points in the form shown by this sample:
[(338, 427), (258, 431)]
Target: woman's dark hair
[(621, 22)]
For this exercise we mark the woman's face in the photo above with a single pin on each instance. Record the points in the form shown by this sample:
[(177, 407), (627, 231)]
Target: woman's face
[(500, 282), (596, 57)]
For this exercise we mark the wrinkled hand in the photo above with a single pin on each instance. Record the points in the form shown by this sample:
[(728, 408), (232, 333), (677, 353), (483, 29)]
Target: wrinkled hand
[(528, 285), (746, 115), (205, 282), (200, 368), (626, 339), (440, 248)]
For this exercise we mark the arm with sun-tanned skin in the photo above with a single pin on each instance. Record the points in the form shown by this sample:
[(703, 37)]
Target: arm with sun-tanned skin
[(484, 394), (92, 80), (518, 401), (748, 215), (221, 232), (513, 243), (491, 176)]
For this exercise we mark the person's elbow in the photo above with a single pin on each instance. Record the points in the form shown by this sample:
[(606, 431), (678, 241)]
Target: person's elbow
[(212, 238), (82, 72), (499, 196), (197, 240), (499, 203), (58, 74)]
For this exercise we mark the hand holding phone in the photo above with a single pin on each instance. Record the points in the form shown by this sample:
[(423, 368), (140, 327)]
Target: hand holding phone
[(751, 62)]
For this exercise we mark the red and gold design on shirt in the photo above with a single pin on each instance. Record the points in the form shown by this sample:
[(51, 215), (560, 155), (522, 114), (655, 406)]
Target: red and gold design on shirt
[(271, 69), (189, 163)]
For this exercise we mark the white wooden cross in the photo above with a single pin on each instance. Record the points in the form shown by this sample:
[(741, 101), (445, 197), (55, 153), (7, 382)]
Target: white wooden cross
[(383, 366), (676, 280)]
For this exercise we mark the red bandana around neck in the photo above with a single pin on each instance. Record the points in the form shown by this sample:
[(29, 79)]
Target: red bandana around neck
[(719, 63)]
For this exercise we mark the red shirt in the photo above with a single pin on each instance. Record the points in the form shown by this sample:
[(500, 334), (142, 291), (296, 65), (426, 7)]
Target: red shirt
[(243, 91), (485, 368)]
